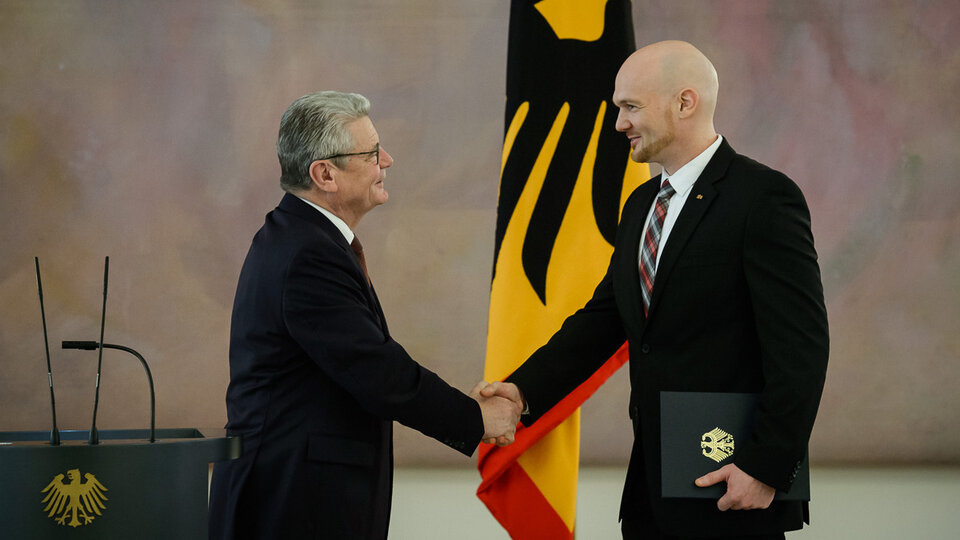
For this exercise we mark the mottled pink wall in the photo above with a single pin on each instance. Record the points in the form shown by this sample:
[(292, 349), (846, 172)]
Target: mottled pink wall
[(857, 102), (146, 130)]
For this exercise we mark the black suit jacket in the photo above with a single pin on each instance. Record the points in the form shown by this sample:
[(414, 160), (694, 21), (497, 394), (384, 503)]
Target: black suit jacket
[(315, 383), (737, 306)]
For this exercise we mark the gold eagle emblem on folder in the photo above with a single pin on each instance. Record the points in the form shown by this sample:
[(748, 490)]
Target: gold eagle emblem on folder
[(717, 444), (74, 501)]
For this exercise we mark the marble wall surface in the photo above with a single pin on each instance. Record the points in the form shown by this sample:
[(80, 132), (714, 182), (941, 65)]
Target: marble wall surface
[(145, 131)]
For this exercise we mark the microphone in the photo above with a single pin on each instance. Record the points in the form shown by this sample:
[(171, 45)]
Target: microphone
[(93, 345), (54, 432), (94, 436), (82, 345)]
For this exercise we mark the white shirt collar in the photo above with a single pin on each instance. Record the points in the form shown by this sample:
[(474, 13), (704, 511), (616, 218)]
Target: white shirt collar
[(342, 225), (684, 178)]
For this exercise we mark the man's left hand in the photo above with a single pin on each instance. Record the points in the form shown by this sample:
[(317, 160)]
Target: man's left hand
[(744, 492)]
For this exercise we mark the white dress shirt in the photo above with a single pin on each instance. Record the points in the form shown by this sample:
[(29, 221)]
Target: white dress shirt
[(682, 181), (341, 224)]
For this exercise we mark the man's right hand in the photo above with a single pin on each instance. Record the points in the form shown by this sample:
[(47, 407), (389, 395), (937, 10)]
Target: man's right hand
[(500, 416), (503, 389)]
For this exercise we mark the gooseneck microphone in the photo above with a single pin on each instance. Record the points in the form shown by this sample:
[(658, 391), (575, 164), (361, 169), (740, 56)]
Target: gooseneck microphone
[(94, 435), (54, 432), (93, 345)]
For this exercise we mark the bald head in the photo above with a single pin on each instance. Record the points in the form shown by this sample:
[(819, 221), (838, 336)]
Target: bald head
[(673, 83), (670, 67)]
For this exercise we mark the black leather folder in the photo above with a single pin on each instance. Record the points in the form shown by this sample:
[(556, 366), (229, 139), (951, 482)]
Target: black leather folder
[(699, 433)]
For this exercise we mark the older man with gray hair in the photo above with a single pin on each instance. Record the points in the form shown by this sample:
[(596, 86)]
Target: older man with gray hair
[(316, 381)]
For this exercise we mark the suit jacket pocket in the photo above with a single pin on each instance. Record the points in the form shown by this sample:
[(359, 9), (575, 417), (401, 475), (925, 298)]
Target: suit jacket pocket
[(343, 486), (718, 259)]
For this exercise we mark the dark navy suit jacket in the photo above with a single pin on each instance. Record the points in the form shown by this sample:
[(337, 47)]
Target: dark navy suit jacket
[(737, 306), (315, 384)]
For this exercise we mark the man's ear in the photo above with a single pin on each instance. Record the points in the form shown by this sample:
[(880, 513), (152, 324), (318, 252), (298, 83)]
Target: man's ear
[(323, 175), (689, 99)]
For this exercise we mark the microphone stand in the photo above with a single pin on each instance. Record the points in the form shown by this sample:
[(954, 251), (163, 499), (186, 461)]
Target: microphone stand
[(93, 345), (54, 432), (94, 434)]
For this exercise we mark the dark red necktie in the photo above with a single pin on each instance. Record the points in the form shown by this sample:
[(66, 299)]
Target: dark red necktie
[(651, 243), (358, 250)]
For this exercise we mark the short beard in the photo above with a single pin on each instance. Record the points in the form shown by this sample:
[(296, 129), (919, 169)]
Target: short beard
[(648, 153)]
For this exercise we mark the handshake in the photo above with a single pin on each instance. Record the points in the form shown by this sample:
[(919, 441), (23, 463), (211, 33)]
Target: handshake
[(501, 405)]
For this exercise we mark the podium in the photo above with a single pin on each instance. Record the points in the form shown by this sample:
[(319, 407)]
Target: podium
[(124, 487)]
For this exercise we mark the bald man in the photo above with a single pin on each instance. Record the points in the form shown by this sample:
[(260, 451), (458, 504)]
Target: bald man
[(715, 284)]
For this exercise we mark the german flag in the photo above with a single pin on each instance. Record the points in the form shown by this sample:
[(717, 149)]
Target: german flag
[(564, 177)]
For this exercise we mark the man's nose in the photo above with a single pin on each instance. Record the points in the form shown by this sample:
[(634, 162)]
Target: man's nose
[(622, 123), (386, 159)]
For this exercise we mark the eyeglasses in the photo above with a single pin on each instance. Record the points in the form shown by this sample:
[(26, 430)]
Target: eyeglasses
[(375, 153)]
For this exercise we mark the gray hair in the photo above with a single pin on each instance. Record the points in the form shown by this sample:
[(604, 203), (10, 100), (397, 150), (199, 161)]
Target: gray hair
[(314, 127)]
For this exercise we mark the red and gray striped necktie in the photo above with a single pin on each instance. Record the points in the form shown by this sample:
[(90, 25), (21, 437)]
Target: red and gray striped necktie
[(651, 243)]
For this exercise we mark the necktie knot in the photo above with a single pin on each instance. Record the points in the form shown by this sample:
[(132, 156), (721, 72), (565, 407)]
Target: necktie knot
[(666, 191)]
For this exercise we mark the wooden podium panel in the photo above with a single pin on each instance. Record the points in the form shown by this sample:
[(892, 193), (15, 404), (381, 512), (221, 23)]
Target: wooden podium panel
[(124, 487)]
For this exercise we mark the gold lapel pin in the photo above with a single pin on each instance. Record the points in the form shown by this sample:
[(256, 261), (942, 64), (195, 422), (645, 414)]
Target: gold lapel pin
[(699, 196)]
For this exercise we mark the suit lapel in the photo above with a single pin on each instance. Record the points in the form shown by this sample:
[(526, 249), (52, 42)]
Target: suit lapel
[(294, 205), (701, 196), (379, 312), (627, 284)]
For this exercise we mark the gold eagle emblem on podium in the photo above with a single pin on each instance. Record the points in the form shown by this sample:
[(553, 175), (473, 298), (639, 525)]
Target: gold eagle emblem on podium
[(717, 444), (75, 500)]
